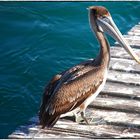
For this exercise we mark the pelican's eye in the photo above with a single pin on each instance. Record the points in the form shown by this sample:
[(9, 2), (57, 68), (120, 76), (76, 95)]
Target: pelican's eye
[(103, 17)]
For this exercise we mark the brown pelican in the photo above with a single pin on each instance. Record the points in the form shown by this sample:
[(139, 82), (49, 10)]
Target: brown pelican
[(75, 88)]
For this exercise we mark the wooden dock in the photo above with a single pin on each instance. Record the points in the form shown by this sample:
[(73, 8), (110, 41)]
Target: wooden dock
[(116, 111)]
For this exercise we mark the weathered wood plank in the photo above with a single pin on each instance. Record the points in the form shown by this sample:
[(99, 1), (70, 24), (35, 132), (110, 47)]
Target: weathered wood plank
[(134, 33), (133, 44), (121, 90), (119, 52), (123, 77), (126, 65), (117, 104), (116, 117), (133, 38)]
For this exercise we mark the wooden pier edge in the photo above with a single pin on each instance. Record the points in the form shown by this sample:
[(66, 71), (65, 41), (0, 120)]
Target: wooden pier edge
[(117, 108)]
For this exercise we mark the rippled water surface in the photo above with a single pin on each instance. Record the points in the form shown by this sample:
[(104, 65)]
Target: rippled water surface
[(40, 39)]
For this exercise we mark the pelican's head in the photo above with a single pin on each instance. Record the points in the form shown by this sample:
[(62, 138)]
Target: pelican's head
[(101, 21)]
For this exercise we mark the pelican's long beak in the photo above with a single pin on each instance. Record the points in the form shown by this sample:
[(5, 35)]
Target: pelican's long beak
[(107, 24)]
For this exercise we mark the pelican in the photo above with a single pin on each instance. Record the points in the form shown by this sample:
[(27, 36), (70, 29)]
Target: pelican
[(75, 88)]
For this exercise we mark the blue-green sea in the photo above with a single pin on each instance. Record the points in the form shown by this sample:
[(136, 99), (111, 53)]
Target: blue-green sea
[(41, 39)]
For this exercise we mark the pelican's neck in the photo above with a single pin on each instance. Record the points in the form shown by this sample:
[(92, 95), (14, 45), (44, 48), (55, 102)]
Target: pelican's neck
[(104, 56)]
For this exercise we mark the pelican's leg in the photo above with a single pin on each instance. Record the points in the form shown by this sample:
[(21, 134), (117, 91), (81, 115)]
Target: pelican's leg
[(80, 116), (88, 120), (84, 118)]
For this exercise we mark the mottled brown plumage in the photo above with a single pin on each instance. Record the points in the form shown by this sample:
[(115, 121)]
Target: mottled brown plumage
[(79, 85)]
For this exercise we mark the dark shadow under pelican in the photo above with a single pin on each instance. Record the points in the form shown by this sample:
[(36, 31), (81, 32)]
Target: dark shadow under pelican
[(74, 89)]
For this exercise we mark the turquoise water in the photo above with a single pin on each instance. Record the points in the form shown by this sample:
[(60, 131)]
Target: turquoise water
[(40, 39)]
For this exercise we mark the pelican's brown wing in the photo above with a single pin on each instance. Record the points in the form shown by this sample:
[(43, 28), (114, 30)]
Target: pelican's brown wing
[(68, 92), (74, 92)]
